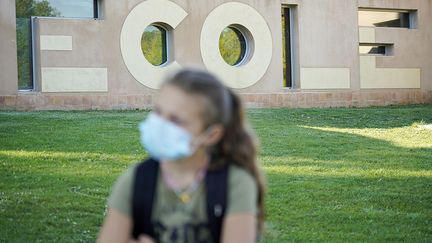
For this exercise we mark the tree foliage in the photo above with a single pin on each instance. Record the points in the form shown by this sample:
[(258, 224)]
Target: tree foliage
[(232, 46), (153, 45), (28, 8)]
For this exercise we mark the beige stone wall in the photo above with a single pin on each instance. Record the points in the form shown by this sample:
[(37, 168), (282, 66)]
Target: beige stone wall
[(328, 38), (412, 47), (96, 43), (326, 60), (8, 59)]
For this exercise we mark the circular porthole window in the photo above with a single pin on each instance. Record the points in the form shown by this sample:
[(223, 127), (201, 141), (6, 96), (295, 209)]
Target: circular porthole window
[(235, 45), (154, 44)]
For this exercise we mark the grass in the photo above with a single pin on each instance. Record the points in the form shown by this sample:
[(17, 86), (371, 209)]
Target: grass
[(339, 175)]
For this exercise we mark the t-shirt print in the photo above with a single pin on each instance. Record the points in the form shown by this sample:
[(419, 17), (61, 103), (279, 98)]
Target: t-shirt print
[(177, 222)]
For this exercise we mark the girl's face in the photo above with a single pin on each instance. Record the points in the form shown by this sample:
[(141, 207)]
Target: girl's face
[(187, 111), (182, 109)]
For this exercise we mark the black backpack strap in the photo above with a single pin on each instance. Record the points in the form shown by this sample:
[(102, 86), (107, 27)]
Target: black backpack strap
[(144, 188), (216, 195)]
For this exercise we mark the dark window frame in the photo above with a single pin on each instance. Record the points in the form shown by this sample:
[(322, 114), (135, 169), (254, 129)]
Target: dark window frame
[(287, 32), (96, 9)]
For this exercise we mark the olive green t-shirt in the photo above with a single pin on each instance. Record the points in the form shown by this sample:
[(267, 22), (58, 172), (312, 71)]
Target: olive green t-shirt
[(174, 221)]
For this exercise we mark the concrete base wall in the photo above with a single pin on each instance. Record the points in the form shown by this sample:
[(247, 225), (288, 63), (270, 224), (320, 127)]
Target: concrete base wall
[(37, 101)]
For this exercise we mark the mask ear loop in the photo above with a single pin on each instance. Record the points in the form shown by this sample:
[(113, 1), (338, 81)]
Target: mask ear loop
[(200, 138)]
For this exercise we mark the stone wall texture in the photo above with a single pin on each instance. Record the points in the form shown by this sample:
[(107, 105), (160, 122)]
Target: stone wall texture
[(35, 101)]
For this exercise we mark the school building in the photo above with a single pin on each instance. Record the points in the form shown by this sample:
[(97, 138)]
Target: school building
[(113, 54)]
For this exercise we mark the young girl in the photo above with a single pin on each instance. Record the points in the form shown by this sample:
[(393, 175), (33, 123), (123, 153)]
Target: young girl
[(195, 134)]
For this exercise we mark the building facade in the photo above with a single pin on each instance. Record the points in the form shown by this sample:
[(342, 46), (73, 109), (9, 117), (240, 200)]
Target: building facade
[(111, 54)]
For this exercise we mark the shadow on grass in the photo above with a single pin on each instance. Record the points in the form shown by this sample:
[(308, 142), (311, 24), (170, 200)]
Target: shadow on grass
[(65, 201), (117, 132), (376, 117), (299, 146), (348, 208), (92, 132), (286, 139), (46, 207), (323, 185)]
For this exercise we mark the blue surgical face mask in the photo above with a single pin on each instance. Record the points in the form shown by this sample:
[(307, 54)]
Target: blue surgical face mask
[(165, 140)]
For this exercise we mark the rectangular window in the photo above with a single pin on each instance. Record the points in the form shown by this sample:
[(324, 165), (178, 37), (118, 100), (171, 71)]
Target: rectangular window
[(24, 53), (375, 49), (286, 46), (386, 18), (25, 9), (75, 9)]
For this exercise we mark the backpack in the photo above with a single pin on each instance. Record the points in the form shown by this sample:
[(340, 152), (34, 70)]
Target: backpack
[(144, 188)]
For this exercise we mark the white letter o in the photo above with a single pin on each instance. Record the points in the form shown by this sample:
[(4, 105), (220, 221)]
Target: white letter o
[(235, 13), (143, 15)]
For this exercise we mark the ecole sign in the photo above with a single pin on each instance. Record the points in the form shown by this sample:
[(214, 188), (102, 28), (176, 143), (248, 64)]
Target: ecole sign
[(242, 16)]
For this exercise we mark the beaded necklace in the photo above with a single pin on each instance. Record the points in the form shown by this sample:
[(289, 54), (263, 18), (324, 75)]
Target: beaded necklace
[(184, 194)]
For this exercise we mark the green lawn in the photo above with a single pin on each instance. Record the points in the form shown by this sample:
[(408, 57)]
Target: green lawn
[(338, 175)]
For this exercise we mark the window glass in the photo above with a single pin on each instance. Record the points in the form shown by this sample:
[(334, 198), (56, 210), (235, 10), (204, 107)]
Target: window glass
[(154, 45), (384, 18), (73, 9), (24, 53), (372, 49), (28, 8), (232, 46)]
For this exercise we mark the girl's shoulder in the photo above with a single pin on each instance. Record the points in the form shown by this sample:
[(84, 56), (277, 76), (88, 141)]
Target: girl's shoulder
[(121, 192), (242, 191), (239, 174)]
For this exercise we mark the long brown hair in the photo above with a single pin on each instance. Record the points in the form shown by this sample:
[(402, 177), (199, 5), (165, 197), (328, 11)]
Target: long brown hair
[(222, 106)]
